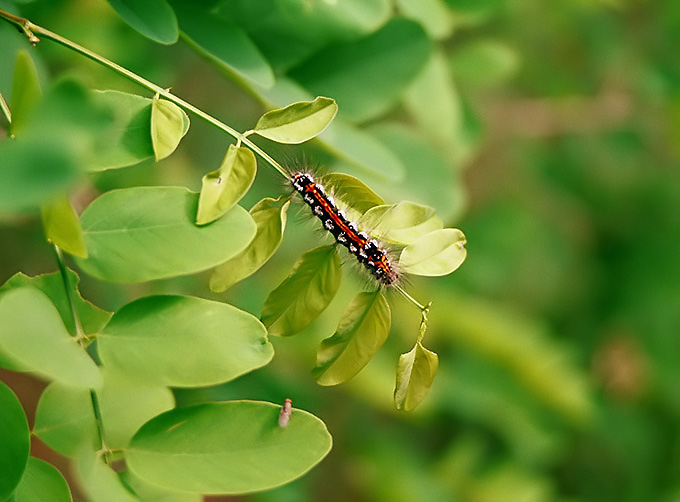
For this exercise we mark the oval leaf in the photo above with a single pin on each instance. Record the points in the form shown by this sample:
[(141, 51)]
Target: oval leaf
[(227, 448), (26, 92), (415, 374), (15, 441), (437, 253), (298, 122), (62, 226), (169, 124), (99, 481), (154, 19), (65, 420), (146, 233), (352, 191), (223, 188), (43, 482), (367, 76), (401, 223), (363, 328), (33, 335), (183, 341), (269, 216), (305, 293)]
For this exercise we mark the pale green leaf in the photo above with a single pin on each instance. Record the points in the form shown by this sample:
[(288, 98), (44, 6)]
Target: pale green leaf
[(33, 334), (363, 328), (352, 191), (269, 216), (14, 441), (62, 226), (484, 63), (227, 448), (148, 492), (92, 318), (305, 293), (65, 420), (26, 92), (99, 481), (415, 373), (433, 15), (183, 341), (43, 482), (401, 223), (145, 233), (154, 19), (298, 122), (223, 188), (169, 124), (437, 253)]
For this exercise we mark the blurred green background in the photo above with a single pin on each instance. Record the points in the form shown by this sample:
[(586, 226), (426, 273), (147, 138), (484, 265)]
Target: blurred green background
[(547, 131)]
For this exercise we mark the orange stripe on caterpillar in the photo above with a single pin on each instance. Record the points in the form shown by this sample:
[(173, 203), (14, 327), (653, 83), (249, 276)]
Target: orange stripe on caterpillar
[(345, 232)]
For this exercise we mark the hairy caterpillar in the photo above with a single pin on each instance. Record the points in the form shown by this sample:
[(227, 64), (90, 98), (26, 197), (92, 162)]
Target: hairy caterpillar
[(345, 232)]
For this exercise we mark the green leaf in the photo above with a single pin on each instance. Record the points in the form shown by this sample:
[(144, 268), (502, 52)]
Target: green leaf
[(484, 63), (26, 92), (438, 253), (146, 233), (169, 124), (183, 341), (363, 329), (62, 226), (15, 441), (298, 122), (305, 293), (223, 188), (65, 420), (368, 76), (269, 216), (224, 43), (34, 170), (33, 334), (227, 448), (352, 191), (415, 373), (433, 15), (401, 223), (43, 482), (154, 19), (99, 481), (148, 492), (128, 141), (92, 318)]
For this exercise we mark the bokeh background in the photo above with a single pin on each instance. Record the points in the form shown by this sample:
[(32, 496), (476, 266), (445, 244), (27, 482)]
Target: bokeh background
[(547, 131)]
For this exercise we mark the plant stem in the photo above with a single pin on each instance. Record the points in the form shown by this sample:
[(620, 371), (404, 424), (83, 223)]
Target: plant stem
[(80, 336), (4, 108), (415, 302), (30, 30)]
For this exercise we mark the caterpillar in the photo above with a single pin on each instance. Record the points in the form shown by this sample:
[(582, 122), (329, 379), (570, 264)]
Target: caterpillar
[(358, 243)]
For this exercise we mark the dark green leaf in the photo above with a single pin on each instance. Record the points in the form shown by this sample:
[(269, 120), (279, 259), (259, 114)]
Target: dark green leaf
[(227, 448), (415, 374), (154, 19), (269, 216), (33, 335), (183, 341), (363, 328), (305, 293), (146, 233), (15, 441), (367, 77), (223, 188), (225, 43)]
